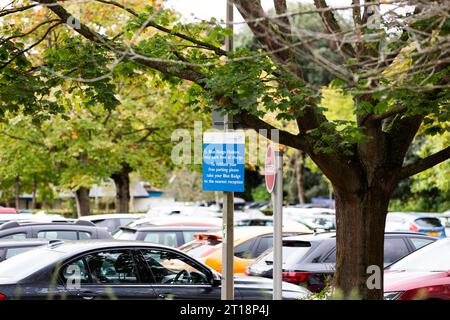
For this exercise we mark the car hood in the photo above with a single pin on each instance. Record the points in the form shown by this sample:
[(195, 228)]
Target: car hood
[(265, 283), (408, 280)]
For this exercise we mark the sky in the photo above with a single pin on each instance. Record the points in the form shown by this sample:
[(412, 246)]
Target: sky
[(206, 9)]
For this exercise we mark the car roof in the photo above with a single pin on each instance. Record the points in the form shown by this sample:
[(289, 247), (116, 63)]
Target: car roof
[(413, 214), (246, 233), (67, 223), (13, 243), (75, 247), (332, 235), (170, 228), (113, 216)]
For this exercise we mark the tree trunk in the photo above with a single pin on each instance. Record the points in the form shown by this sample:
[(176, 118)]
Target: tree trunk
[(360, 227), (299, 177), (33, 199), (17, 193), (82, 199), (122, 182)]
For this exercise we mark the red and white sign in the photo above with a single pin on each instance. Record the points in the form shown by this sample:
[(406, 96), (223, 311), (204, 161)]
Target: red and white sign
[(270, 168)]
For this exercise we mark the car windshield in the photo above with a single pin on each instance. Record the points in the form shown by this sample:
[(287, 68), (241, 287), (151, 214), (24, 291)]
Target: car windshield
[(432, 257), (125, 234), (291, 254), (25, 264)]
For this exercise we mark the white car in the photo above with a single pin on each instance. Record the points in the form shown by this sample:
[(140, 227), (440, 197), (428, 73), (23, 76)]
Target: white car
[(113, 221)]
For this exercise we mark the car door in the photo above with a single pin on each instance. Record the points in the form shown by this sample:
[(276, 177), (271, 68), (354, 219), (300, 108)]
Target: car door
[(176, 276), (108, 275)]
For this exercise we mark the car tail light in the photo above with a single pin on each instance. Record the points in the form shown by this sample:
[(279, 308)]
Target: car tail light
[(413, 227), (296, 277), (2, 296)]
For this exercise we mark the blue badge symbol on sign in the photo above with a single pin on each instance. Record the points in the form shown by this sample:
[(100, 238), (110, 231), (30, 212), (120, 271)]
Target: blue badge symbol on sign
[(223, 161)]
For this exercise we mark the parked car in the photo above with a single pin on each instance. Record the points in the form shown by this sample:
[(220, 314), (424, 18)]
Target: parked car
[(7, 217), (310, 260), (297, 211), (114, 221), (445, 220), (65, 230), (172, 221), (249, 243), (10, 248), (4, 210), (417, 222), (111, 269), (424, 274), (267, 222), (171, 236), (317, 222)]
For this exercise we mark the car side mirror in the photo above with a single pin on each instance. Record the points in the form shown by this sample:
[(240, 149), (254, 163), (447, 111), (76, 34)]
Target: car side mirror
[(215, 282)]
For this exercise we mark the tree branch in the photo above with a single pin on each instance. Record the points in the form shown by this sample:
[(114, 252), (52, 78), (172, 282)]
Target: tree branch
[(31, 46), (15, 10), (202, 44), (331, 24), (162, 66), (258, 22), (295, 141), (425, 163)]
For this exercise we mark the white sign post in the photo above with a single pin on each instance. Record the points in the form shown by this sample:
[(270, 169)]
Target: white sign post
[(274, 184)]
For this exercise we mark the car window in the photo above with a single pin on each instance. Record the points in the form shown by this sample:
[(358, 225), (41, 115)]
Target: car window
[(430, 258), (428, 222), (263, 244), (75, 273), (57, 234), (16, 236), (394, 249), (331, 257), (188, 236), (109, 224), (420, 242), (172, 268), (84, 235), (112, 267), (11, 252), (244, 250), (165, 238)]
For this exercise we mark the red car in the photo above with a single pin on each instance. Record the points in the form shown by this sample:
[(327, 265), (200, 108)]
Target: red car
[(8, 210), (422, 275)]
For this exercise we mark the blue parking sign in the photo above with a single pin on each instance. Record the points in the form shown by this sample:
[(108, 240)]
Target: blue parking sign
[(223, 161)]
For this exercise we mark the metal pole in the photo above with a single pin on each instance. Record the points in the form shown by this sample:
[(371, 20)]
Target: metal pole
[(277, 203), (227, 292)]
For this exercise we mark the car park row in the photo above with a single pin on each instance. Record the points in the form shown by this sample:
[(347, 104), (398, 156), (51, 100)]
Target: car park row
[(177, 253)]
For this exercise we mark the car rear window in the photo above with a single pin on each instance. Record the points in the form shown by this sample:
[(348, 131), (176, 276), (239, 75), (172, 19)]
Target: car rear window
[(11, 252), (168, 238), (428, 222), (430, 258), (16, 236), (244, 250), (57, 234), (188, 236), (291, 255), (420, 242), (25, 264)]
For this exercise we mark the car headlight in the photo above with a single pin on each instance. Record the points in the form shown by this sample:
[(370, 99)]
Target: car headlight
[(393, 295)]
